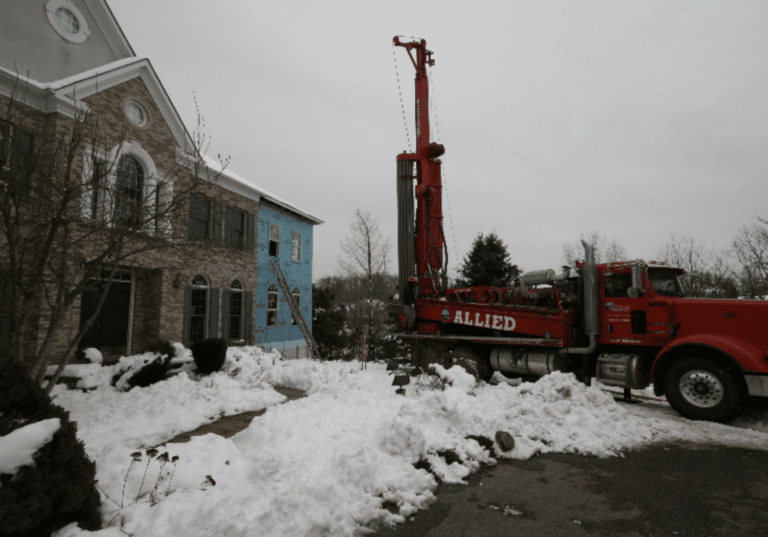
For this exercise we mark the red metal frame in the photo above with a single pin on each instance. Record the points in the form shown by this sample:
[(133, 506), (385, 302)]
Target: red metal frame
[(429, 209), (493, 315)]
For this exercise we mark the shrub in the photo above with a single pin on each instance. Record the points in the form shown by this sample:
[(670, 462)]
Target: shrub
[(209, 355), (60, 487), (150, 372), (163, 347)]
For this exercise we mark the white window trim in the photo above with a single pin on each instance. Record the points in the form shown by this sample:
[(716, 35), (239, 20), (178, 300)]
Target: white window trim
[(296, 252), (78, 37), (133, 101), (207, 288), (149, 194), (277, 306), (240, 290)]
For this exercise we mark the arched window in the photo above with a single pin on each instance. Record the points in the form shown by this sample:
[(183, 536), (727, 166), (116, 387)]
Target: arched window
[(296, 292), (272, 303), (129, 189), (198, 308), (235, 311)]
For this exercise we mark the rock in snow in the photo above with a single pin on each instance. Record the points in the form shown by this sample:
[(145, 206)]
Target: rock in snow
[(505, 441)]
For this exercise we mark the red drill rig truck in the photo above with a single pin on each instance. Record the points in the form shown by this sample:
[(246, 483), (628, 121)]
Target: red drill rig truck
[(626, 324)]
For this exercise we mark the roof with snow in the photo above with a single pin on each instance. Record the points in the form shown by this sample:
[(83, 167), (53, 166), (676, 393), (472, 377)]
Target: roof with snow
[(228, 177), (65, 96)]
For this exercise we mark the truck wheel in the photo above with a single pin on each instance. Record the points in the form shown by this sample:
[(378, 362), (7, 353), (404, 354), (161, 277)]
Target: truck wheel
[(700, 389), (475, 364)]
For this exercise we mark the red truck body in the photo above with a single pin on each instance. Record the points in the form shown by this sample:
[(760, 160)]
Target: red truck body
[(627, 324)]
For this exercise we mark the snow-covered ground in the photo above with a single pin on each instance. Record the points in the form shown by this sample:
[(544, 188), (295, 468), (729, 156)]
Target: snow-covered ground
[(335, 461)]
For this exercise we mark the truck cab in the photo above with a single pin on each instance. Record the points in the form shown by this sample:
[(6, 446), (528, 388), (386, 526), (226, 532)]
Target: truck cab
[(708, 356), (636, 306)]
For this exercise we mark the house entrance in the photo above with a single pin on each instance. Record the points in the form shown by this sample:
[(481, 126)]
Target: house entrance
[(110, 329)]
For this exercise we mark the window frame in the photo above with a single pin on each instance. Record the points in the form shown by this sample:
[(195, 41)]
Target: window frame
[(273, 240), (236, 290), (83, 31), (199, 284), (207, 223), (272, 312), (296, 247), (67, 26), (135, 219), (11, 149), (237, 215), (296, 294)]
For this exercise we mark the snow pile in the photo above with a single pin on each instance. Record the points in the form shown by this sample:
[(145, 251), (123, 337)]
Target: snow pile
[(145, 417), (18, 447), (93, 355), (344, 456)]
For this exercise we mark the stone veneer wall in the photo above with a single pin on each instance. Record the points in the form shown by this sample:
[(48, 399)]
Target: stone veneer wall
[(158, 304)]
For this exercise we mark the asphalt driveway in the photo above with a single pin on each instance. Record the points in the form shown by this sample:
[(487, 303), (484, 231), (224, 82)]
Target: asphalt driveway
[(675, 489)]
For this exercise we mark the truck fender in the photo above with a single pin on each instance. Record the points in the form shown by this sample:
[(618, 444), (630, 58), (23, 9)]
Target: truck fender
[(741, 355)]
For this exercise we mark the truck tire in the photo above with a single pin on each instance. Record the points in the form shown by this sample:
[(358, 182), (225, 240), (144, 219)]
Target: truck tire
[(476, 365), (700, 389)]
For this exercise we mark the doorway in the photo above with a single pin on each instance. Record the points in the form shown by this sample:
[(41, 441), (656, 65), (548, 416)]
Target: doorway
[(109, 332)]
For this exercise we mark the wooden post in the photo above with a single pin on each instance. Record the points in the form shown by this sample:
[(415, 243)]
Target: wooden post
[(363, 357)]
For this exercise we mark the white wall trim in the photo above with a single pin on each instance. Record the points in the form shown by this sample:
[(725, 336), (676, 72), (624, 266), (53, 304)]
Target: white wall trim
[(83, 32)]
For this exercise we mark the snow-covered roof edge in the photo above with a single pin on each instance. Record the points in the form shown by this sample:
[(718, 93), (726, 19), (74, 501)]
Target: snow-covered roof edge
[(85, 75), (228, 175)]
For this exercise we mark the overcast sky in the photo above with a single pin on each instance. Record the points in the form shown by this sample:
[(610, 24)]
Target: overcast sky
[(638, 119)]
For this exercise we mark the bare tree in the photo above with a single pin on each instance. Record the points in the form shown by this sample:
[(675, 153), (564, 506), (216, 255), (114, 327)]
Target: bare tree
[(750, 249), (708, 272), (606, 251), (71, 214), (365, 255)]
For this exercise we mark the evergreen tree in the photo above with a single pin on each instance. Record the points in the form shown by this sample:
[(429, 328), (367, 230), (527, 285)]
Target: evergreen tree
[(328, 324), (487, 263)]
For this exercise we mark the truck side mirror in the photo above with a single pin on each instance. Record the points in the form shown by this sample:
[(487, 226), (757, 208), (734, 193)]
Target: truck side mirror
[(634, 292)]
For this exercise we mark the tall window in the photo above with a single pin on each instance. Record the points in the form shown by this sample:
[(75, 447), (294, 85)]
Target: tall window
[(163, 201), (296, 254), (199, 218), (274, 240), (97, 178), (129, 190), (236, 310), (198, 308), (296, 292), (272, 305), (236, 235), (16, 159)]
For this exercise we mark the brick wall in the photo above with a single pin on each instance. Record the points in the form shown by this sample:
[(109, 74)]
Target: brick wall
[(158, 302)]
